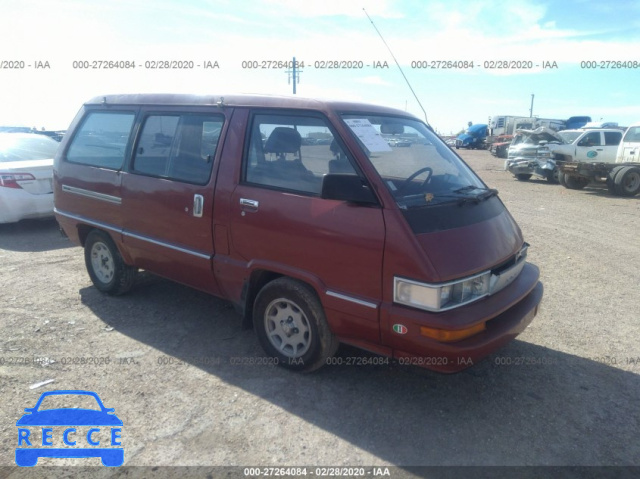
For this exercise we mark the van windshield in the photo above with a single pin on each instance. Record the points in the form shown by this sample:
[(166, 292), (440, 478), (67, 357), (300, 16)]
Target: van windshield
[(416, 166)]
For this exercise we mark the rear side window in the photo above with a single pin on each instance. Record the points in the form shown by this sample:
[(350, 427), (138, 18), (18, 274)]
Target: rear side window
[(293, 152), (612, 138), (101, 140), (178, 147)]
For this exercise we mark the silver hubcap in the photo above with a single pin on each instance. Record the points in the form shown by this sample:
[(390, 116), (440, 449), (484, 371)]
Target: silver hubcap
[(102, 262), (631, 181), (287, 328)]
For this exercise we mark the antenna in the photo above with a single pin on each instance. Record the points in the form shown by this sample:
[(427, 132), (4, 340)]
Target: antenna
[(398, 64)]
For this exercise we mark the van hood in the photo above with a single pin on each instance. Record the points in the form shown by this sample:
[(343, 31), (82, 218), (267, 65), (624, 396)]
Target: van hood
[(462, 251)]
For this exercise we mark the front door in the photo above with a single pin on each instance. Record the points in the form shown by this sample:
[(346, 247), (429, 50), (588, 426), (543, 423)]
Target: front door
[(167, 195), (278, 218)]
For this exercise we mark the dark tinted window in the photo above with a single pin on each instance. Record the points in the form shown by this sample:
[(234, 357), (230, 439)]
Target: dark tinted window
[(179, 147), (101, 140), (612, 138), (294, 153)]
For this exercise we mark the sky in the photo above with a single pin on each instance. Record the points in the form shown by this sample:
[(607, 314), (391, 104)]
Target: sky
[(576, 57)]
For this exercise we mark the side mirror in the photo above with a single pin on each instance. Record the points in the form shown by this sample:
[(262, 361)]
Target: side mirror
[(349, 188)]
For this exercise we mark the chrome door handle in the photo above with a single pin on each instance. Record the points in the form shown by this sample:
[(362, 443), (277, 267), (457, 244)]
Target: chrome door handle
[(198, 205), (253, 204)]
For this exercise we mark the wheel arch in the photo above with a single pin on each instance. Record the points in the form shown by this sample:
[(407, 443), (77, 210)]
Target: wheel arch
[(84, 230), (261, 276)]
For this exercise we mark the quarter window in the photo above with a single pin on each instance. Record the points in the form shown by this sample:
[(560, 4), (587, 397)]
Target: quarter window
[(294, 153), (179, 147), (102, 140)]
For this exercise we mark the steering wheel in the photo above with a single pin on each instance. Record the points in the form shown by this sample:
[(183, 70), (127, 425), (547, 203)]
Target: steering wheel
[(405, 184)]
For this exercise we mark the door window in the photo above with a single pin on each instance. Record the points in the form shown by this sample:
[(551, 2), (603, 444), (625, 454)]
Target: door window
[(591, 139), (293, 152), (178, 147)]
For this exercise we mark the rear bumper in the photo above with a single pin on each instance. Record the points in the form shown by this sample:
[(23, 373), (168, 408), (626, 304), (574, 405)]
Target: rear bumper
[(16, 205), (415, 349)]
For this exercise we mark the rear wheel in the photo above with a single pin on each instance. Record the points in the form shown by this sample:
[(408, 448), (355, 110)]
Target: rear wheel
[(627, 181), (611, 177), (523, 177), (575, 182), (291, 325), (105, 265)]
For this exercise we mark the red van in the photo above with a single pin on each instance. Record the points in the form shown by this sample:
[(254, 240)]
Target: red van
[(303, 214)]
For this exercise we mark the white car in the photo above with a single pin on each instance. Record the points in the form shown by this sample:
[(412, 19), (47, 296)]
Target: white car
[(26, 176)]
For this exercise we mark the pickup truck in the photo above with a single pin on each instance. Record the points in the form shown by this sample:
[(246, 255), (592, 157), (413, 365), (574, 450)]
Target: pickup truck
[(592, 155), (599, 145)]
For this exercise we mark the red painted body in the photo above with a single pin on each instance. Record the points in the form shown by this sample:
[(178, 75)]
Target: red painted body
[(338, 248)]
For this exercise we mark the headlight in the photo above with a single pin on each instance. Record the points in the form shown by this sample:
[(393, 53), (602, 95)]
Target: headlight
[(441, 297)]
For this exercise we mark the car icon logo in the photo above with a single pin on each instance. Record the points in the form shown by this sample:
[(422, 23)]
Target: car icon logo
[(85, 431)]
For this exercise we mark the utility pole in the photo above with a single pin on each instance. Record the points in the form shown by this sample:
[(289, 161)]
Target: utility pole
[(531, 109), (294, 74)]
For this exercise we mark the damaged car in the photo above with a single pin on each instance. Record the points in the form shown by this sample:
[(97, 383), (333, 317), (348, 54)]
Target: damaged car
[(524, 160)]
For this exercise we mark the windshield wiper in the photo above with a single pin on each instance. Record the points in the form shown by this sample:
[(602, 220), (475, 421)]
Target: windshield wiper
[(417, 200), (486, 192)]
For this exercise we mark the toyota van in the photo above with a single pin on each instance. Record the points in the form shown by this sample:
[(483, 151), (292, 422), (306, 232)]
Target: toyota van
[(301, 214)]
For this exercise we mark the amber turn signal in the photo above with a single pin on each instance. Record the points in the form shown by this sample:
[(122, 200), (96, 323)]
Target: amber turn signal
[(449, 336)]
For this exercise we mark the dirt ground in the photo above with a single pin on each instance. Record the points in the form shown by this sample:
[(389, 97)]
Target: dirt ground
[(182, 374)]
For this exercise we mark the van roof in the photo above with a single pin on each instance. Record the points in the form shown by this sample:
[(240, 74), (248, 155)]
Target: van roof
[(241, 100)]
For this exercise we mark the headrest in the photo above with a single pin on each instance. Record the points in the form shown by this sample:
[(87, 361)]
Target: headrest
[(283, 140)]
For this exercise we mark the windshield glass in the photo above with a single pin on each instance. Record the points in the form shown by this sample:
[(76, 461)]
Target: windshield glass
[(21, 147), (569, 136), (415, 165)]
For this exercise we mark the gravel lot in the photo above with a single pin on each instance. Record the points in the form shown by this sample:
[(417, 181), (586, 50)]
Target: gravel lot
[(564, 393)]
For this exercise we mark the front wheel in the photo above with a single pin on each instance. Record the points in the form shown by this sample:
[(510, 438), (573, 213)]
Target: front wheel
[(291, 325), (105, 265), (554, 176)]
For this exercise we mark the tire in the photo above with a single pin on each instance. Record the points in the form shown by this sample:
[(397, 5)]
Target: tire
[(523, 177), (561, 179), (627, 181), (611, 177), (291, 325), (575, 182), (554, 176), (105, 265)]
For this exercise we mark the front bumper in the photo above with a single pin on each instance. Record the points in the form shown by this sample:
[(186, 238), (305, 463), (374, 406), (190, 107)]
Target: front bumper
[(507, 314), (520, 166)]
